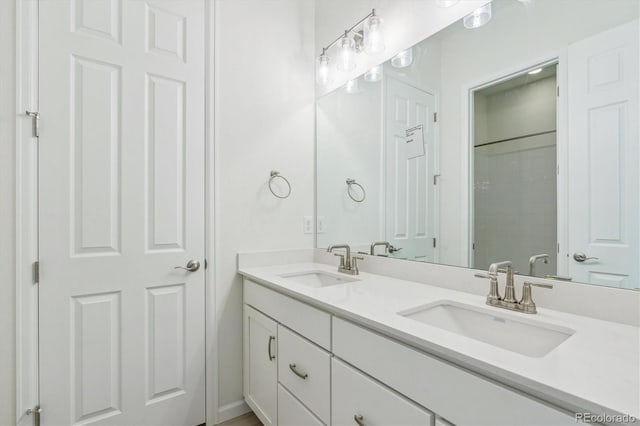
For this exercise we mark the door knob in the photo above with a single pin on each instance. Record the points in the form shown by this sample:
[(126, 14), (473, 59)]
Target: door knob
[(581, 257), (192, 266)]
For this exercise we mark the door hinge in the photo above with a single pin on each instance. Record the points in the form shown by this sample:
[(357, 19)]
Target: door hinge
[(435, 179), (35, 119), (434, 243), (558, 91), (36, 272), (36, 411), (435, 117)]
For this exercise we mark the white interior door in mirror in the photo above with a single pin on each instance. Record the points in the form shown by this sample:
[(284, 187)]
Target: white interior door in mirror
[(604, 183), (410, 210), (121, 205)]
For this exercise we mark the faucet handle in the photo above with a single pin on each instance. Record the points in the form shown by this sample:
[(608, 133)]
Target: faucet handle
[(341, 256), (354, 264), (487, 276), (526, 304)]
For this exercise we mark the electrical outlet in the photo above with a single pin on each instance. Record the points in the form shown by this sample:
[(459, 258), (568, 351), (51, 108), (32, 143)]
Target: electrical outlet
[(307, 226), (320, 225)]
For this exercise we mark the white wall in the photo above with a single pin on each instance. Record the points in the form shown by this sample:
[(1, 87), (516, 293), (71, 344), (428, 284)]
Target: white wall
[(7, 213), (349, 138), (264, 120), (469, 56)]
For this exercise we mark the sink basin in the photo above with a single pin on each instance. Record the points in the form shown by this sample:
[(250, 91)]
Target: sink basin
[(319, 278), (524, 336)]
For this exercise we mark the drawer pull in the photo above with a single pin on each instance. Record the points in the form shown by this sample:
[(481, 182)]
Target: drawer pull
[(297, 373), (359, 418), (271, 357)]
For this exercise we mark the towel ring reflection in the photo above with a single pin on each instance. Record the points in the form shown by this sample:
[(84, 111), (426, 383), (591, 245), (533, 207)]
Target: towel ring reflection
[(350, 183), (274, 175)]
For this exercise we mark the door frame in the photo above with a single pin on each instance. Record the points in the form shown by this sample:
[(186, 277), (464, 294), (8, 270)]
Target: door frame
[(27, 374), (467, 173)]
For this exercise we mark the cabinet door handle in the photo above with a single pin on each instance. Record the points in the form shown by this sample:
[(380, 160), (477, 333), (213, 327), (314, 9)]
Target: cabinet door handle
[(359, 418), (303, 376), (271, 357)]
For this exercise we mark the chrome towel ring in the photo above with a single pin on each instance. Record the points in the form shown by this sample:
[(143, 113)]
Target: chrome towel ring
[(350, 183), (274, 175)]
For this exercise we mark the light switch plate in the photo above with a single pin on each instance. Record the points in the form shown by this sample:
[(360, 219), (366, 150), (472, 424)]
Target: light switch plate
[(320, 225)]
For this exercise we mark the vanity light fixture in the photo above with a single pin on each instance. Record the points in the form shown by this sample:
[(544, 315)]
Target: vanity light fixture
[(323, 72), (446, 3), (536, 71), (346, 57), (373, 38), (478, 17), (403, 59), (374, 74), (368, 39)]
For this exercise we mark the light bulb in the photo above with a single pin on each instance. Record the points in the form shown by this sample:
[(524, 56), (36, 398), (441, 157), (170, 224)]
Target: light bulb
[(373, 38), (478, 17), (346, 53), (403, 59), (323, 72), (351, 86), (446, 3), (374, 74)]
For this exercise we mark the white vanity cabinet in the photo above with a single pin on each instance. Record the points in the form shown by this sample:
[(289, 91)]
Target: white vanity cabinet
[(331, 371), (260, 365)]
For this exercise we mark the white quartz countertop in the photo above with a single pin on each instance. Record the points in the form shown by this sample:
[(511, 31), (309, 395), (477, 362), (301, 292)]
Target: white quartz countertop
[(597, 369)]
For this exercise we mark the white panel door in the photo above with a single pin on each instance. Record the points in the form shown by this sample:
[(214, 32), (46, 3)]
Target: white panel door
[(604, 183), (410, 210), (122, 204)]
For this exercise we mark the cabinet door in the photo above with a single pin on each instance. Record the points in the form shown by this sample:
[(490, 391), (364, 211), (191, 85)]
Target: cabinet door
[(260, 366), (357, 399)]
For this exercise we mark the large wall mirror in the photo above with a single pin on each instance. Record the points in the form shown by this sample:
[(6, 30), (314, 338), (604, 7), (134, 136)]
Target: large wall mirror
[(517, 140)]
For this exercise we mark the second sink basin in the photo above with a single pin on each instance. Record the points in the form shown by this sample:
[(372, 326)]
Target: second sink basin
[(318, 278), (527, 337)]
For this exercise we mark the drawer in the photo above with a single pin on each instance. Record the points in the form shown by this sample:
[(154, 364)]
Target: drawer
[(439, 385), (304, 369), (312, 323), (292, 413), (354, 395)]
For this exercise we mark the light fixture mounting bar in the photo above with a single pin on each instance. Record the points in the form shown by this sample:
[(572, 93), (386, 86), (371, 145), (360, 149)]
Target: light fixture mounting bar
[(346, 32)]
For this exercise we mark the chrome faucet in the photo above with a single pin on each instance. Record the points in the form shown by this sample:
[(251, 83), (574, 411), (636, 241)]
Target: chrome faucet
[(533, 259), (348, 263), (509, 300), (386, 245)]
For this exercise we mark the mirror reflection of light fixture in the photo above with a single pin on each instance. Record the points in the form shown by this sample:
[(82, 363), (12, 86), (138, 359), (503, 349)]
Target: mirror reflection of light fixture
[(446, 3), (478, 17), (351, 86), (403, 59), (323, 72), (347, 53), (373, 38), (374, 74), (369, 39)]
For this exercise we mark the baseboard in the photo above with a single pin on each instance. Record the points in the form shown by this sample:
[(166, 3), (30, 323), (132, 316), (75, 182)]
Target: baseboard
[(230, 411)]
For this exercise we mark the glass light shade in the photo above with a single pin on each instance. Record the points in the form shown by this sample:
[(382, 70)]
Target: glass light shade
[(403, 59), (323, 72), (373, 37), (346, 54), (446, 3), (351, 86), (374, 74), (478, 17)]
